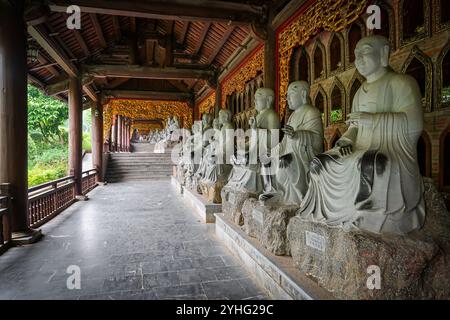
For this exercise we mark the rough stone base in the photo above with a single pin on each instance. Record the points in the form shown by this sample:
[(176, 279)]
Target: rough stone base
[(232, 202), (212, 190), (268, 224), (201, 206), (276, 274), (410, 267)]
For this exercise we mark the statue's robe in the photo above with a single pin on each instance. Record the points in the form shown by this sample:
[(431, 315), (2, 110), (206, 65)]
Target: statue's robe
[(292, 181), (378, 187)]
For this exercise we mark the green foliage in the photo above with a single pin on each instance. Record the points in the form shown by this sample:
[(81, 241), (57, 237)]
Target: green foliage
[(45, 116), (446, 95), (47, 138), (336, 115), (87, 142)]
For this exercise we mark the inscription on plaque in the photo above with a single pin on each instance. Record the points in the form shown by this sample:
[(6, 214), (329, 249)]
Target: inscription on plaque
[(315, 241)]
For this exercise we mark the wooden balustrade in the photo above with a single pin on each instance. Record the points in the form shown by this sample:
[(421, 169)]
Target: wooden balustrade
[(5, 218), (49, 199), (88, 180)]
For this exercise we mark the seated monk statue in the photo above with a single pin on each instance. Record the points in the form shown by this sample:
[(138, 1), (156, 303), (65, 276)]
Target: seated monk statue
[(302, 141), (371, 180), (246, 176)]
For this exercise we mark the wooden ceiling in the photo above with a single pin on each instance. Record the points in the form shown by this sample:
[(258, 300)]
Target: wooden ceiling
[(142, 48)]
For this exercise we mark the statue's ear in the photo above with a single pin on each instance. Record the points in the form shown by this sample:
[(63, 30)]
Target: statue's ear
[(385, 56), (270, 100)]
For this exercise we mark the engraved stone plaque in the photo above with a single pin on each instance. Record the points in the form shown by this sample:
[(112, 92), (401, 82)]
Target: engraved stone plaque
[(315, 241)]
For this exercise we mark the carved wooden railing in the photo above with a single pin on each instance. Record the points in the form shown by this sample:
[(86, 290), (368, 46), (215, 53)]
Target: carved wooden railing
[(88, 181), (47, 200), (5, 218)]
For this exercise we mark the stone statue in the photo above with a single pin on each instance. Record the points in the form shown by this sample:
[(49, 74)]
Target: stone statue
[(207, 120), (371, 179), (216, 172), (225, 117), (266, 119), (302, 141), (192, 147)]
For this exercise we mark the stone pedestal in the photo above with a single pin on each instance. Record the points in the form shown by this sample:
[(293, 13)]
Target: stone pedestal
[(268, 224), (232, 202), (212, 190), (410, 267)]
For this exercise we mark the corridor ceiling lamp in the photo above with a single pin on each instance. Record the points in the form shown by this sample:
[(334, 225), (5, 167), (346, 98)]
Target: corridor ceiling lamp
[(32, 53)]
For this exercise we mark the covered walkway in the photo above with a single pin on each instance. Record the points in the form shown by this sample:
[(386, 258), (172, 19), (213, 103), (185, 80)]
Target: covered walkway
[(131, 240)]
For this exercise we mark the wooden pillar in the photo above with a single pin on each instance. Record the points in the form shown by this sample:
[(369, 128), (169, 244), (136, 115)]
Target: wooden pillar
[(14, 116), (114, 134), (119, 133), (97, 139), (75, 132), (269, 59)]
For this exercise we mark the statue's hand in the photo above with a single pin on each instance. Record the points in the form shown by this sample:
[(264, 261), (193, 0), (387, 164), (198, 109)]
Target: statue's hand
[(285, 160), (345, 147), (356, 118), (289, 131)]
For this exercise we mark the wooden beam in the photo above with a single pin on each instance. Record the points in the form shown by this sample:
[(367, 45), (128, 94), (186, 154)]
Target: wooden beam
[(125, 71), (184, 31), (117, 82), (149, 95), (81, 42), (180, 85), (117, 30), (220, 45), (98, 30), (133, 24), (90, 93), (36, 81), (63, 86), (211, 11), (199, 43), (41, 37), (48, 66)]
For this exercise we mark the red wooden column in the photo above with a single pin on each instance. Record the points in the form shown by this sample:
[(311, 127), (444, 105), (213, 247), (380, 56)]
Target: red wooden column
[(75, 133), (119, 133), (97, 139), (114, 134), (13, 116)]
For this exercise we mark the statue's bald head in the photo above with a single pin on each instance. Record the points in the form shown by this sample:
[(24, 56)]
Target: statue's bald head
[(372, 55), (298, 94), (299, 86), (225, 116), (264, 98)]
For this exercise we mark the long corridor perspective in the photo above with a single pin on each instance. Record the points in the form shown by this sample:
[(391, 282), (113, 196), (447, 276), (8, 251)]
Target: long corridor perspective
[(130, 240)]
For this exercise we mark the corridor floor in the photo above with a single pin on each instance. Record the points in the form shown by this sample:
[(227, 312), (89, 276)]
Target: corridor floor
[(130, 240)]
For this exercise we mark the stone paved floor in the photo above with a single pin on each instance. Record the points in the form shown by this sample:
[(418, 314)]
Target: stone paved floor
[(131, 240)]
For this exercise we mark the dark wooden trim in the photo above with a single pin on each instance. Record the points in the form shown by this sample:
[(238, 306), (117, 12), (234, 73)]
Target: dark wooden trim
[(151, 95), (201, 39), (42, 38), (124, 71), (98, 30), (217, 11), (220, 45)]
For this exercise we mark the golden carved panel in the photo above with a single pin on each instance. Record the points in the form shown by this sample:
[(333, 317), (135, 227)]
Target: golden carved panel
[(207, 105), (144, 109), (328, 15), (245, 73)]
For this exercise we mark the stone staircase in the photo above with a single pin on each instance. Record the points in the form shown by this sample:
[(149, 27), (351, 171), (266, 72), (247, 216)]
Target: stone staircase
[(138, 166)]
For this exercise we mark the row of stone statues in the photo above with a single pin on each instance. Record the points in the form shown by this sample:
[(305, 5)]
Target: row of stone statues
[(337, 212), (369, 180)]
